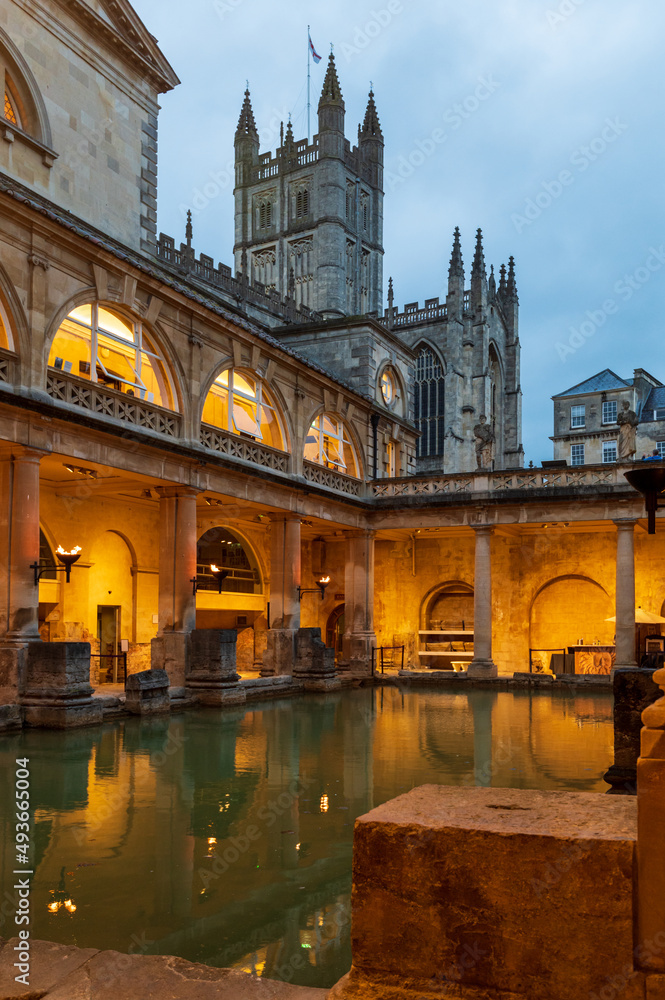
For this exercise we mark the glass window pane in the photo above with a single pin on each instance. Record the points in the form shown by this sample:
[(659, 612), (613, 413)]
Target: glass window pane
[(244, 417), (329, 426), (113, 324), (82, 314), (243, 385), (216, 410), (312, 444), (70, 350)]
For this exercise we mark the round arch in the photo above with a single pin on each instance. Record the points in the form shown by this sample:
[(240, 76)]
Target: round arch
[(253, 394), (567, 608), (448, 603), (26, 92), (18, 338), (84, 310), (342, 443), (229, 549)]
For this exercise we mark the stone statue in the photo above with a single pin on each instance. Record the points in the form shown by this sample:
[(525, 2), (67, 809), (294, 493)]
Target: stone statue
[(627, 421), (484, 443)]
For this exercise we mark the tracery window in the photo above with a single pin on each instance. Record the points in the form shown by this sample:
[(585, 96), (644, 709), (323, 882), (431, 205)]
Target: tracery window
[(429, 403), (104, 346), (250, 412), (328, 443)]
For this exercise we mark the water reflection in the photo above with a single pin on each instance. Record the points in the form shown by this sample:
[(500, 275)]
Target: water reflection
[(226, 837)]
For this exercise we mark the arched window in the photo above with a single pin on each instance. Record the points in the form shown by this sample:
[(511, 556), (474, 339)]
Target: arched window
[(328, 443), (12, 113), (429, 403), (251, 412), (104, 346), (388, 387), (6, 339), (222, 548)]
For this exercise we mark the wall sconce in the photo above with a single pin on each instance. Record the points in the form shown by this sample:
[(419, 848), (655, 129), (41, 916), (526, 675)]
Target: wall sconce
[(320, 587), (650, 481), (66, 558)]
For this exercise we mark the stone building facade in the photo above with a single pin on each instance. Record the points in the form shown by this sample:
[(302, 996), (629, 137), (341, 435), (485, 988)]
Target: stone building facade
[(167, 417)]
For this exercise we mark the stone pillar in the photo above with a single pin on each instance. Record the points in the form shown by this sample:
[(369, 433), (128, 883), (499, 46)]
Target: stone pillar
[(359, 635), (280, 653), (482, 664), (651, 836), (19, 547), (177, 567), (625, 595)]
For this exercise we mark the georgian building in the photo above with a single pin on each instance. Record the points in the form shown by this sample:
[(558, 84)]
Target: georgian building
[(167, 416)]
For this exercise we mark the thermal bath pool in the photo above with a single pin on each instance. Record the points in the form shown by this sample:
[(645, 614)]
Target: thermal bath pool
[(225, 837)]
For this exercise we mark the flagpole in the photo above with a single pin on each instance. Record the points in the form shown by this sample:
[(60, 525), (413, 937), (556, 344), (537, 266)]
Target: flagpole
[(308, 77)]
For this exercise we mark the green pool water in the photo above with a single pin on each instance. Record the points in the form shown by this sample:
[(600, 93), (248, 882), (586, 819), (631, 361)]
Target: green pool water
[(225, 837)]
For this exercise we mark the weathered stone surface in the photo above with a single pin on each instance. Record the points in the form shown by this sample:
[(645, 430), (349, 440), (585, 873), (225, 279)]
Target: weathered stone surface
[(493, 893), (280, 653), (50, 964), (634, 689), (57, 692), (59, 972), (169, 652), (211, 676), (147, 693), (655, 987), (314, 659), (10, 718)]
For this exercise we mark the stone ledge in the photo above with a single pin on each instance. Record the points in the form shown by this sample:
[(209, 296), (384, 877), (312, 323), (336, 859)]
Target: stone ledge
[(61, 972)]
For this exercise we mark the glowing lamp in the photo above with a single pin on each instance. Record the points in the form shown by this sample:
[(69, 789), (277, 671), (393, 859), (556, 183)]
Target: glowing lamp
[(68, 558), (219, 574), (320, 588)]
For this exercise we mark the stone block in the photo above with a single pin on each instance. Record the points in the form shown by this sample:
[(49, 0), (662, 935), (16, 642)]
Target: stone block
[(147, 693), (655, 987), (10, 718), (212, 677), (280, 654), (493, 893), (13, 669), (634, 689), (57, 692), (169, 652), (50, 964)]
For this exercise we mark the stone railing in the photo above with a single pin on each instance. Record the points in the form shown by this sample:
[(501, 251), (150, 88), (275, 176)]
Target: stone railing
[(332, 480), (7, 366), (432, 310), (185, 261), (109, 403), (248, 451), (496, 482)]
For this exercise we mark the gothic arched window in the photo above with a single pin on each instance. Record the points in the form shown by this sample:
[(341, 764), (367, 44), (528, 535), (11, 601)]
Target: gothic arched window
[(265, 215), (251, 412), (105, 346), (429, 403)]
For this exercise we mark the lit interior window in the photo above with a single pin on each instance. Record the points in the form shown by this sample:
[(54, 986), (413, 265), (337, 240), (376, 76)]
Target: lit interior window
[(125, 359), (5, 331), (11, 111), (388, 387), (328, 443), (251, 413)]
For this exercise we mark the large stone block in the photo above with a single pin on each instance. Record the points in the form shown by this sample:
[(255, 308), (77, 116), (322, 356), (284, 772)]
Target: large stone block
[(315, 662), (57, 692), (169, 652), (280, 654), (634, 689), (212, 675), (494, 893), (147, 693)]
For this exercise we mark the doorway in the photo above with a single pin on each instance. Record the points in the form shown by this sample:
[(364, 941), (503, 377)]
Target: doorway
[(108, 633), (335, 629)]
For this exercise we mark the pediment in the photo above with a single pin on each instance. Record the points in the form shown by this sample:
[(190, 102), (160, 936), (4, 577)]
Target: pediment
[(117, 22)]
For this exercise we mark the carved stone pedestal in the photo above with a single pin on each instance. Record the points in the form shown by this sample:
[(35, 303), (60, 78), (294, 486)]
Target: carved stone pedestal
[(58, 693), (148, 693)]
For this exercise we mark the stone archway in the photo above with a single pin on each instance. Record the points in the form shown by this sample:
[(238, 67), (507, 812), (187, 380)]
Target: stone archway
[(569, 608)]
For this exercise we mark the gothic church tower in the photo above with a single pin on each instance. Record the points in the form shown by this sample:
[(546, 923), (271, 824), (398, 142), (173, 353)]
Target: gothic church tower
[(309, 219)]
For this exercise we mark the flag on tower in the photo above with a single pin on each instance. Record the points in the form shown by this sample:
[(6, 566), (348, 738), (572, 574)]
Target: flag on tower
[(315, 55)]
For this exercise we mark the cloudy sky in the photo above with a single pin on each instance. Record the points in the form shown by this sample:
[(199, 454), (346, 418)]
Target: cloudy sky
[(538, 120)]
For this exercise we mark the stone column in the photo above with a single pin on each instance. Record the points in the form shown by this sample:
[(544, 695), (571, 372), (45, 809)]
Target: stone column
[(651, 837), (280, 653), (359, 636), (19, 547), (625, 594), (177, 567), (482, 664)]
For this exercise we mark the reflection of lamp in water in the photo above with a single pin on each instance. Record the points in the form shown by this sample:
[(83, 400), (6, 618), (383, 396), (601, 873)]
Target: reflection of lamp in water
[(61, 898), (324, 805)]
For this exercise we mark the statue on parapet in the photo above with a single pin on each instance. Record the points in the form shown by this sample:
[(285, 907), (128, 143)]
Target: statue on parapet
[(627, 421), (484, 443)]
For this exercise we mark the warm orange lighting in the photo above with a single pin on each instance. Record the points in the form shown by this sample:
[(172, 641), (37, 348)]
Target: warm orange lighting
[(325, 579), (212, 841), (74, 552), (70, 906), (324, 805), (53, 907), (214, 569)]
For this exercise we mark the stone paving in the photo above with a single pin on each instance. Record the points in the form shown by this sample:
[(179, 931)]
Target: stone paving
[(61, 972)]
